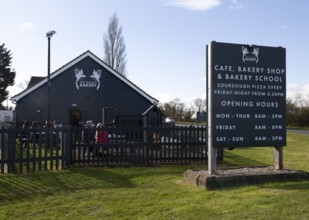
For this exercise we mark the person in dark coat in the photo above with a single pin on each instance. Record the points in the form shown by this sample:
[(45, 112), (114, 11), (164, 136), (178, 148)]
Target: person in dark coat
[(89, 138)]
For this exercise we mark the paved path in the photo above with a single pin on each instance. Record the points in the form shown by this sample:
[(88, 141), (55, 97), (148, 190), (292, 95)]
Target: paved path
[(298, 131)]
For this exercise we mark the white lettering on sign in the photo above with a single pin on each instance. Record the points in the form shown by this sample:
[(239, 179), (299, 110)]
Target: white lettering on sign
[(260, 127), (240, 77), (260, 116), (273, 87), (237, 104), (254, 93), (225, 127), (250, 69), (243, 116), (268, 79), (276, 127), (222, 92), (222, 115), (220, 139), (275, 71), (224, 68), (88, 84), (233, 86), (267, 104), (260, 138), (238, 139), (276, 116), (254, 86), (242, 92)]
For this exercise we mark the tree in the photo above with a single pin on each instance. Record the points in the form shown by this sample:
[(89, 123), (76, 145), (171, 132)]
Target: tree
[(199, 104), (303, 118), (114, 46), (177, 110), (301, 101), (292, 112), (188, 113), (7, 75), (24, 84)]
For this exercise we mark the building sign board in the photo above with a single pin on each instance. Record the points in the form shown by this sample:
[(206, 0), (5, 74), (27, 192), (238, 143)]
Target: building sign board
[(246, 86), (201, 116)]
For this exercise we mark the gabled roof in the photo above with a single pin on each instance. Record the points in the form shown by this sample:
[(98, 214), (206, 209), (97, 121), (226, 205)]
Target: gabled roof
[(43, 80), (35, 80)]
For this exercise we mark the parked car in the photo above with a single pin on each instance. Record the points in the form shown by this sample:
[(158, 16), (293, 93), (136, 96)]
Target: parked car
[(170, 121)]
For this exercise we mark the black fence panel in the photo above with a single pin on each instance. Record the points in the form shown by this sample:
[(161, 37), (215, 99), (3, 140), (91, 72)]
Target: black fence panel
[(31, 150), (7, 150), (163, 144)]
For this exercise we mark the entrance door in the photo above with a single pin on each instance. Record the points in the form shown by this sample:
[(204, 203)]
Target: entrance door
[(75, 117)]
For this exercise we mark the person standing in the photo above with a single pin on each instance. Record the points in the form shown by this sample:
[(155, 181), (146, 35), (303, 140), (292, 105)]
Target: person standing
[(99, 134), (34, 135), (25, 134), (89, 138)]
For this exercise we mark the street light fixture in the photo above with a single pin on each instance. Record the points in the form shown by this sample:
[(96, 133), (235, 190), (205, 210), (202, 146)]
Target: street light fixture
[(48, 35)]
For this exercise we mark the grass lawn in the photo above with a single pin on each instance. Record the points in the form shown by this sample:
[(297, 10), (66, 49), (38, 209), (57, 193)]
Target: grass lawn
[(157, 192)]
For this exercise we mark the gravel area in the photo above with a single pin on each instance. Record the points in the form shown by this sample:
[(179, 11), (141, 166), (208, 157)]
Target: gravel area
[(252, 171), (245, 171)]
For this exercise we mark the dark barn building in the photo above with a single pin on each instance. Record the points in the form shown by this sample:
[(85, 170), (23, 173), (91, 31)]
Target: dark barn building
[(80, 91)]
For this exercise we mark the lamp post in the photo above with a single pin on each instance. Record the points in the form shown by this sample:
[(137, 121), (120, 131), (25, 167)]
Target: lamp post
[(48, 35)]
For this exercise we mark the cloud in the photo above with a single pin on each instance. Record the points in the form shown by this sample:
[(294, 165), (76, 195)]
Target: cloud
[(237, 5), (306, 89), (197, 5), (163, 97), (293, 86), (26, 25), (294, 89)]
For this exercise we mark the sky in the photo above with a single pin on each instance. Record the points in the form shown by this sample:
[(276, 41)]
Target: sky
[(165, 39)]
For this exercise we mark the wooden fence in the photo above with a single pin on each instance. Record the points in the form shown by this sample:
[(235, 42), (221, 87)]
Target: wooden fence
[(25, 150)]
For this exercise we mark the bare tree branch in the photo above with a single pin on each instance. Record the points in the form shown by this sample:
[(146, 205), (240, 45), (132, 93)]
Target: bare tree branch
[(199, 104)]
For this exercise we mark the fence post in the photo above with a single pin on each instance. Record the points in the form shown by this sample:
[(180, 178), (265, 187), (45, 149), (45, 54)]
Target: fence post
[(145, 128), (63, 148), (2, 150), (11, 146), (6, 134), (68, 146)]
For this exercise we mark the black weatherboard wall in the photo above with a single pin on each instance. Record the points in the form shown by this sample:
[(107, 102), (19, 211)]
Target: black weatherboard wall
[(86, 84)]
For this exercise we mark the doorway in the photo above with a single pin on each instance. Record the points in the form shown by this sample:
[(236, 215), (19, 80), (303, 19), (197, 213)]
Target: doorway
[(75, 117)]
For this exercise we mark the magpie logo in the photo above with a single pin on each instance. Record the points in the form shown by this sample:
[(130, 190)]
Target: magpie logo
[(250, 53), (92, 81), (96, 75)]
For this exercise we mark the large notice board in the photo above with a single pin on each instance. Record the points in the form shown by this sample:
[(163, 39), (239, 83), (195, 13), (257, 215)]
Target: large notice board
[(246, 92)]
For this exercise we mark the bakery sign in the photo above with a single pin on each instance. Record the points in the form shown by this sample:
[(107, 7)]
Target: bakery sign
[(246, 91), (92, 81)]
